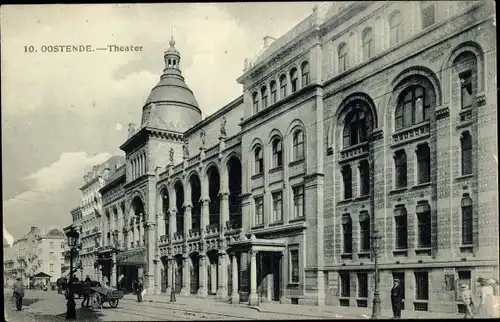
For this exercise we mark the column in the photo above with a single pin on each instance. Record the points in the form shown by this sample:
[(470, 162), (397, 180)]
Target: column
[(235, 295), (157, 269), (224, 210), (187, 220), (213, 278), (253, 298), (186, 274), (173, 224), (222, 273), (205, 215), (202, 290), (142, 231), (113, 270), (160, 222), (169, 268)]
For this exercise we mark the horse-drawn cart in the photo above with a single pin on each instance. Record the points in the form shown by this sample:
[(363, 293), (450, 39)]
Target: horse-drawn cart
[(100, 295)]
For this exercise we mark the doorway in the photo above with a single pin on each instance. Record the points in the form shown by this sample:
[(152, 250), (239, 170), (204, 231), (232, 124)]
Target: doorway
[(195, 272)]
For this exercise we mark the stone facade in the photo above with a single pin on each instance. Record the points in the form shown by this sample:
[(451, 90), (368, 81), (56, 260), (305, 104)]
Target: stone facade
[(272, 198)]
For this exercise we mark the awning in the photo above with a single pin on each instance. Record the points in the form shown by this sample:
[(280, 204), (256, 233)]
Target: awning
[(42, 275), (134, 257)]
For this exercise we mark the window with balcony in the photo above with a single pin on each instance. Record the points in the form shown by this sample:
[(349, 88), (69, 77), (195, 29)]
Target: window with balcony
[(466, 151), (298, 145), (347, 180), (274, 92), (467, 223), (413, 107), (342, 52), (424, 163), (364, 232), (258, 160), (277, 153), (305, 74), (283, 84), (368, 43), (294, 265), (263, 93), (345, 284), (400, 169), (277, 206), (347, 233), (395, 26), (422, 285), (401, 228), (298, 202), (364, 176), (259, 211), (294, 80), (466, 89), (424, 224), (255, 100)]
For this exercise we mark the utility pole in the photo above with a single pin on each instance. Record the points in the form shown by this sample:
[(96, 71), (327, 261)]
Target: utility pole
[(376, 293)]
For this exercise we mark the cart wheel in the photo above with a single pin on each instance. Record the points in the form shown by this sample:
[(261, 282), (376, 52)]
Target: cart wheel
[(113, 303), (96, 301)]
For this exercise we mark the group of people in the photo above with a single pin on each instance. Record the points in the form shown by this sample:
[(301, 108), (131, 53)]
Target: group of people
[(487, 306)]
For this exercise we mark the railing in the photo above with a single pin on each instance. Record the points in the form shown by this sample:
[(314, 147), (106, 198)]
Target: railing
[(178, 236), (194, 160), (194, 233), (212, 151), (354, 151), (412, 133), (212, 229), (233, 224), (177, 168), (233, 140), (164, 239)]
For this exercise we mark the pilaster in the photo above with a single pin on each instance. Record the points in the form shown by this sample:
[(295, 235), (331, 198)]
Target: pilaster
[(222, 272), (203, 289), (186, 275)]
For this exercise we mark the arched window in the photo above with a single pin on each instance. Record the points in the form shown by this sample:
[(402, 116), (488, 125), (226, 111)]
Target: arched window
[(255, 101), (283, 84), (424, 163), (413, 107), (466, 66), (274, 92), (263, 93), (305, 74), (467, 222), (343, 63), (294, 79), (298, 145), (259, 160), (347, 180), (466, 149), (277, 153), (396, 30), (356, 126), (401, 168), (368, 43)]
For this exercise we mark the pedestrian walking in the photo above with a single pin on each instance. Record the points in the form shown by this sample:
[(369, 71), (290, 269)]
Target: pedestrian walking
[(467, 299), (19, 293), (86, 291), (138, 287), (486, 304), (397, 299)]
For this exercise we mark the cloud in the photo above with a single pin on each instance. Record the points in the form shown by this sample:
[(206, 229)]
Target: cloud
[(118, 127)]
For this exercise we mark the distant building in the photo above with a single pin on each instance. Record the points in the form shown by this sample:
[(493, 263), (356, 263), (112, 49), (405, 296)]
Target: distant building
[(366, 116)]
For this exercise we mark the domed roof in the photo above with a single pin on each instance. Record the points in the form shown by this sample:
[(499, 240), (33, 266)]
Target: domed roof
[(55, 232), (164, 105)]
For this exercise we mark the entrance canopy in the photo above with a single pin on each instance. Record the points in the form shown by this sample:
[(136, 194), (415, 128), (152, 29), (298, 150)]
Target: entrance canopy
[(133, 257), (41, 275), (243, 244)]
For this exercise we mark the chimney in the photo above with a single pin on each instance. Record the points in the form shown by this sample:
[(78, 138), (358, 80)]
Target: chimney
[(268, 40), (33, 228)]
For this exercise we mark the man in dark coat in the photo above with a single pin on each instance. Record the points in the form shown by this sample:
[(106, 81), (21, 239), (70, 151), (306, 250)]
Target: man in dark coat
[(138, 287), (19, 293), (397, 293), (86, 291)]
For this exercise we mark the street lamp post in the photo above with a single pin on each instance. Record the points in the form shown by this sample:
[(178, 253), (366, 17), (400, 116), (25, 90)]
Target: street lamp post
[(376, 293), (172, 287), (71, 305)]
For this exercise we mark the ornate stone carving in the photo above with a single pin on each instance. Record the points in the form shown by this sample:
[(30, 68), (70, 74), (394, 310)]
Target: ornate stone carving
[(185, 148), (171, 155), (223, 127), (202, 137)]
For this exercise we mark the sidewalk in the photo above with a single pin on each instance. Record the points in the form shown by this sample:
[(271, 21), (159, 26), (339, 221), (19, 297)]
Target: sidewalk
[(328, 312)]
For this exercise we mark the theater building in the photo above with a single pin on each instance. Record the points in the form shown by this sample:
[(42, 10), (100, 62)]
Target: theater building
[(354, 121)]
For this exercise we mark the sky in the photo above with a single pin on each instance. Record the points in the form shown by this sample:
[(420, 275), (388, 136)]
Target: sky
[(62, 113)]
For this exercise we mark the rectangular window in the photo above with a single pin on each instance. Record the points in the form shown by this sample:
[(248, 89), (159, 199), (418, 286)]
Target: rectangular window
[(362, 284), (51, 245), (467, 225), (401, 169), (283, 89), (422, 285), (274, 96), (294, 85), (364, 173), (424, 229), (347, 178), (466, 89), (342, 63), (428, 16), (256, 106), (347, 233), (52, 256), (259, 211), (277, 206), (298, 202), (364, 232), (401, 226), (294, 265), (345, 285), (51, 268), (368, 49), (424, 164), (264, 101)]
